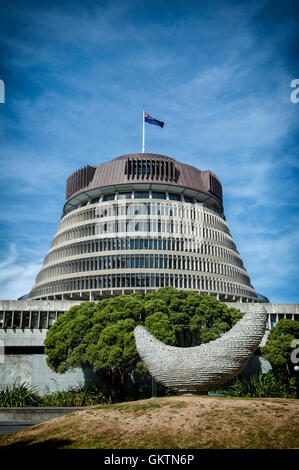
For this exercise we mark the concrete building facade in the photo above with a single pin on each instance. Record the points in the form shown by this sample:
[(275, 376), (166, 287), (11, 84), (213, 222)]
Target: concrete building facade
[(133, 224), (140, 222)]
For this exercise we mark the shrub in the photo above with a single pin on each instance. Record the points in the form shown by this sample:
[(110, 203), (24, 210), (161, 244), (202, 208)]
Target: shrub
[(26, 395), (278, 348), (76, 396), (19, 396), (258, 386)]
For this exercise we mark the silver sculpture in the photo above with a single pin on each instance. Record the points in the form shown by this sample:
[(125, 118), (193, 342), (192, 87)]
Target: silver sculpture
[(201, 368)]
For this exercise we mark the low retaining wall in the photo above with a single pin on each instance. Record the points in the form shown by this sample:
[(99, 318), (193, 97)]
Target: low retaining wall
[(36, 415)]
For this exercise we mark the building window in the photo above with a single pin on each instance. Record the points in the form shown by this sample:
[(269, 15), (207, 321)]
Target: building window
[(108, 197), (26, 320), (124, 195), (8, 320), (273, 320), (156, 195), (35, 320), (174, 197), (52, 318), (43, 320), (141, 194), (17, 320), (94, 200)]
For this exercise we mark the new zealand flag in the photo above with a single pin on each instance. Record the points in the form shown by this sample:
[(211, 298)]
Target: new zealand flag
[(151, 120)]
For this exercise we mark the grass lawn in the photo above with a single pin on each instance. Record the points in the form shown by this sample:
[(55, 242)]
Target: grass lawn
[(187, 422)]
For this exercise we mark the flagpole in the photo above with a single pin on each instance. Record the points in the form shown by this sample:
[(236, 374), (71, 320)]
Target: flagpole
[(143, 148)]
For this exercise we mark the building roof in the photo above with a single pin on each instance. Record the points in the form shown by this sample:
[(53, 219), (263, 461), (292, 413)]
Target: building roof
[(143, 168)]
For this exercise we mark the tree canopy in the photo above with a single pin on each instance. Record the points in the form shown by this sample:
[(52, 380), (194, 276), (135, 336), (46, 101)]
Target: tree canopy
[(100, 334), (278, 348)]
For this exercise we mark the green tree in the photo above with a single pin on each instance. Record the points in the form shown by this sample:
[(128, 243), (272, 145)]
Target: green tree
[(100, 335), (195, 318), (278, 348), (97, 335)]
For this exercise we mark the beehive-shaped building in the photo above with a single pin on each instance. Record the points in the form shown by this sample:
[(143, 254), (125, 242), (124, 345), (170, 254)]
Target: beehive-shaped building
[(139, 222)]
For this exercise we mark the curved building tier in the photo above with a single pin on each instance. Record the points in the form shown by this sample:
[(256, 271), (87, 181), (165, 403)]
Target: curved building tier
[(140, 222)]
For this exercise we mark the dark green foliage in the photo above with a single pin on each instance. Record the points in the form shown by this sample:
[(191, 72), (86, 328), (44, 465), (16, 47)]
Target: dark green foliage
[(194, 318), (26, 395), (64, 345), (76, 396), (278, 348), (19, 396), (160, 326), (100, 335), (261, 386)]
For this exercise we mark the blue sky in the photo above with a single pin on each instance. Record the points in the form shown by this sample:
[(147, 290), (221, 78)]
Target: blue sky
[(76, 75)]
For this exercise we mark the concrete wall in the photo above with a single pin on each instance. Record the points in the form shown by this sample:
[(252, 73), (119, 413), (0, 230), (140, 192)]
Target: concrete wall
[(37, 305), (33, 369), (23, 337), (270, 308)]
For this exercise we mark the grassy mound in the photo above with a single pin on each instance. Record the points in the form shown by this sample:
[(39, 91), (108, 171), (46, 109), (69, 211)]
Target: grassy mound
[(187, 422)]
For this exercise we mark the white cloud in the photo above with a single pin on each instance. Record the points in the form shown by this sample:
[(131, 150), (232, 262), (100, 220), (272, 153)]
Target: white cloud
[(16, 278)]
